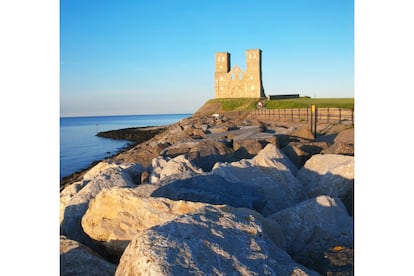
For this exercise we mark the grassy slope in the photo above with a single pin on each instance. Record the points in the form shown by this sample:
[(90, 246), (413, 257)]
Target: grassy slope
[(307, 102), (247, 104)]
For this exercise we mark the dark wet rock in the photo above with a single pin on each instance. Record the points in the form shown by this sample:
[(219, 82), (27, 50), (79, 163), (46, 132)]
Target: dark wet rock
[(135, 134)]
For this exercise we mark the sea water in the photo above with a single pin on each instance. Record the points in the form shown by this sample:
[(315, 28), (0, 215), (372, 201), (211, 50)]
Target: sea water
[(80, 147)]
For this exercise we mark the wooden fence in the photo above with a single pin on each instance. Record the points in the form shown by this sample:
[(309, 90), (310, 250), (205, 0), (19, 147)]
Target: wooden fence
[(323, 115)]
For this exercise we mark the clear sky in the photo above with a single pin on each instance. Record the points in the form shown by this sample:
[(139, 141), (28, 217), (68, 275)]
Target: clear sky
[(154, 56)]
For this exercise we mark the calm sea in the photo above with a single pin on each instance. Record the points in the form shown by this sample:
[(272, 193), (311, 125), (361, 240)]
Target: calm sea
[(79, 145)]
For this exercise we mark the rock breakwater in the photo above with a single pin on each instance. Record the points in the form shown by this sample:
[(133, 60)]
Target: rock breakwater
[(215, 196)]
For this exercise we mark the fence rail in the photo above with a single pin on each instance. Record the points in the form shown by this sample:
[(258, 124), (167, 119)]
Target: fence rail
[(324, 115)]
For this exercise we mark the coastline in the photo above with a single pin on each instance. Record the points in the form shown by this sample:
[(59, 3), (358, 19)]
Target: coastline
[(135, 135)]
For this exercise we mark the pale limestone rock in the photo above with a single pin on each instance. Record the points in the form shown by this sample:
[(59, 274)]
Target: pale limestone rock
[(269, 174), (75, 198), (77, 259), (179, 167), (314, 226), (328, 174), (116, 215), (271, 156), (209, 241)]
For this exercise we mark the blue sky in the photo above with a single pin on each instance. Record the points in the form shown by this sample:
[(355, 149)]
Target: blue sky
[(152, 57)]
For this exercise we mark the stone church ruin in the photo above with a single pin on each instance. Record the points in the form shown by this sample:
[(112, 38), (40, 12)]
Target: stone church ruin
[(236, 83)]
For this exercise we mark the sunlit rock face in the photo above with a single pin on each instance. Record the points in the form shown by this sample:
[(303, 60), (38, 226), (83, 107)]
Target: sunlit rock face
[(209, 241), (75, 198), (329, 174), (168, 168), (116, 215)]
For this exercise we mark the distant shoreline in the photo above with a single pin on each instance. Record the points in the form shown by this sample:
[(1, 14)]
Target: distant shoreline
[(131, 115)]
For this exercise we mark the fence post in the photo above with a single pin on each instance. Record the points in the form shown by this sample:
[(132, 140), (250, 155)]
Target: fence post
[(311, 118), (352, 117), (340, 115), (314, 119), (327, 115)]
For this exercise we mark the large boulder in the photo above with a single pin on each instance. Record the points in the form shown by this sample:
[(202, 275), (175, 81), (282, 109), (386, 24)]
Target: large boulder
[(299, 153), (265, 184), (116, 215), (340, 148), (345, 136), (313, 227), (74, 201), (178, 167), (329, 174), (269, 173), (207, 152), (202, 154), (77, 259), (271, 157), (209, 241), (343, 143), (302, 132), (248, 147)]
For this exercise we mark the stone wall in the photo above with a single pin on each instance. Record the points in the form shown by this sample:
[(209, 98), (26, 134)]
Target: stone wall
[(236, 83)]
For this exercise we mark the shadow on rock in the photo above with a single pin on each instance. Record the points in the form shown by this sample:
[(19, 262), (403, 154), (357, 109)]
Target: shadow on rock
[(215, 190)]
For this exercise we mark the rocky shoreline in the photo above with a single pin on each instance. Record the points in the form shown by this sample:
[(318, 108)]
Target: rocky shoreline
[(135, 135), (214, 195)]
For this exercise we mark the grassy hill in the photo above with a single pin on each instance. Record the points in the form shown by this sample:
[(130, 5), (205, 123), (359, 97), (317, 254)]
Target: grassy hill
[(248, 104)]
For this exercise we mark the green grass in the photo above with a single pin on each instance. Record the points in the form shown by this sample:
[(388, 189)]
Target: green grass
[(236, 104), (307, 102), (246, 105)]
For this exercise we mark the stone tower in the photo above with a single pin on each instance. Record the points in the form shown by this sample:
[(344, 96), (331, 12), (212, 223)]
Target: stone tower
[(222, 69), (236, 83)]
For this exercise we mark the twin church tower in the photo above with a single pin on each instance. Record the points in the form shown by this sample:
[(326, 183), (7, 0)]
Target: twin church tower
[(236, 83)]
